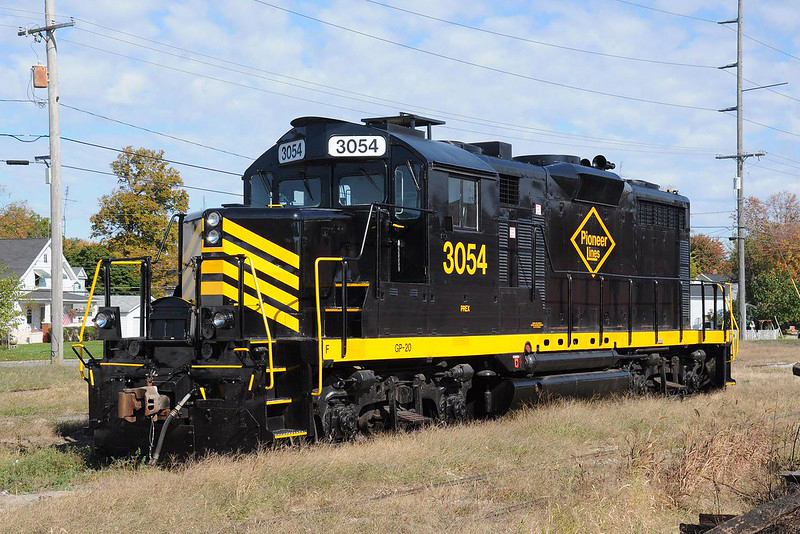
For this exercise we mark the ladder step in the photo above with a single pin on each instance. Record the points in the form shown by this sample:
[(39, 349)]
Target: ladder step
[(354, 284), (339, 308), (288, 433), (279, 400)]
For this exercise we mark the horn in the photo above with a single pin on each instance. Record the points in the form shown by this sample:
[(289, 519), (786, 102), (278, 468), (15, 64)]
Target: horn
[(586, 163), (599, 162)]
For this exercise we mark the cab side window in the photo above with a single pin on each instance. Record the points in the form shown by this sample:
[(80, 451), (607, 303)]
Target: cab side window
[(408, 190), (462, 203)]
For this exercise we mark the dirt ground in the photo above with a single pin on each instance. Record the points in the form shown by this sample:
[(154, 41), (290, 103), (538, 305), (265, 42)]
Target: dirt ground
[(626, 464)]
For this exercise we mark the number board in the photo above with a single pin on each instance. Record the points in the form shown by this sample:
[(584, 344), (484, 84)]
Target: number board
[(292, 151), (356, 146)]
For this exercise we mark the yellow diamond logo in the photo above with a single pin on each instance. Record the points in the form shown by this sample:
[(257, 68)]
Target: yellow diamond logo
[(593, 241)]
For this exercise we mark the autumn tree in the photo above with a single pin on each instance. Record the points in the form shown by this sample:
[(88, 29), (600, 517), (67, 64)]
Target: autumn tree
[(133, 218), (18, 220), (708, 256), (772, 255)]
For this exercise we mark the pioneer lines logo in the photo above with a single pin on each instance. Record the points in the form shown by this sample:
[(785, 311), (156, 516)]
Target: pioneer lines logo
[(593, 241)]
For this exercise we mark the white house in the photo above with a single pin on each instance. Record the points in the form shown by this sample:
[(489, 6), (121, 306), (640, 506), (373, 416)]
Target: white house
[(697, 307), (130, 311), (31, 261)]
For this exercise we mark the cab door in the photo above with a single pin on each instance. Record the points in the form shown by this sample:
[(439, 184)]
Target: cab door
[(409, 248)]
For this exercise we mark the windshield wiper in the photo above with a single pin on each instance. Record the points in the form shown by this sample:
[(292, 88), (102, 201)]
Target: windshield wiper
[(413, 175), (307, 186), (370, 178)]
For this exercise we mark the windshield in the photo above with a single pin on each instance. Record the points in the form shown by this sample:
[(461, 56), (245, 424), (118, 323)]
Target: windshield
[(300, 192), (361, 189)]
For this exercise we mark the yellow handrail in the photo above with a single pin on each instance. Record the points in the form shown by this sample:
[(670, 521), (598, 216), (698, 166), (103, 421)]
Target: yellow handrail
[(735, 326), (264, 318), (318, 391), (89, 303)]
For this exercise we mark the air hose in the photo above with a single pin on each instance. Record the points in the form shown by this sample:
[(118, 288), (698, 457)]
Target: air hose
[(163, 433)]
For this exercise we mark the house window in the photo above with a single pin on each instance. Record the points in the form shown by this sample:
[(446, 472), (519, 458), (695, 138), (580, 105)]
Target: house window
[(463, 205), (29, 316), (41, 314), (45, 258)]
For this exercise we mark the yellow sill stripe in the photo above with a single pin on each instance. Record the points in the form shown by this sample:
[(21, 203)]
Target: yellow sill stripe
[(219, 366), (122, 364), (252, 238), (339, 309), (291, 434), (268, 290), (353, 284), (221, 288), (361, 349)]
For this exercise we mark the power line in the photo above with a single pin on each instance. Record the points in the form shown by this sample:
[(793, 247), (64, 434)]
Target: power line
[(534, 41), (249, 72), (95, 171), (711, 22), (482, 66), (153, 131), (122, 151), (174, 162)]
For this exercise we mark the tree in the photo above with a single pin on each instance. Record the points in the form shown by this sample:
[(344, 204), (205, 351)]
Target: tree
[(133, 218), (708, 256), (17, 220), (10, 291), (772, 255), (86, 254)]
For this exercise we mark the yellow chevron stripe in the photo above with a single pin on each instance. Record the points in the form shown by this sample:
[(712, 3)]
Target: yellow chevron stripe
[(266, 267), (251, 238), (267, 289), (221, 288)]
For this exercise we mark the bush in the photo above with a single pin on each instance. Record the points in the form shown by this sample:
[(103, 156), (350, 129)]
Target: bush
[(72, 334)]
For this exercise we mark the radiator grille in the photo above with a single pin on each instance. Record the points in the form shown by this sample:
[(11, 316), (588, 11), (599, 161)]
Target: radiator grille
[(502, 234), (540, 257), (660, 215), (683, 272), (525, 255)]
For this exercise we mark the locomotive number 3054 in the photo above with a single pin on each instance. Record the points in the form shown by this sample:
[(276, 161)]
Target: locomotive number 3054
[(460, 258)]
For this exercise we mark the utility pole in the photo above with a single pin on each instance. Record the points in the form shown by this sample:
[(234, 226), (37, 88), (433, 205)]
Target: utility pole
[(739, 182), (56, 243)]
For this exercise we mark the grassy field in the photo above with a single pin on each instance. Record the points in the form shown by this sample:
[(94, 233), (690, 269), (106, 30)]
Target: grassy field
[(41, 351), (613, 465)]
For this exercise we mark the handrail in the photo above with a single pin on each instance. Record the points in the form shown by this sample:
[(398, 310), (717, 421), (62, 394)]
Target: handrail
[(735, 341), (317, 392), (79, 344), (249, 261)]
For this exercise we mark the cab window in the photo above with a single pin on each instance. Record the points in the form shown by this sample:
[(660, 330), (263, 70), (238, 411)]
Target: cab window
[(360, 188), (407, 190), (463, 202), (300, 192)]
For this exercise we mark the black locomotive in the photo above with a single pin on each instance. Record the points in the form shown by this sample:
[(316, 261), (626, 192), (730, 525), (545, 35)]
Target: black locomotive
[(375, 277)]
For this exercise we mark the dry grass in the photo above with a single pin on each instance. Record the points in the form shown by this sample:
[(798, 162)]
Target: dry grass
[(613, 465)]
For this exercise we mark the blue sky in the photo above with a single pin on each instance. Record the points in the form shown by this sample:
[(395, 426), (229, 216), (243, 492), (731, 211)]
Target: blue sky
[(232, 76)]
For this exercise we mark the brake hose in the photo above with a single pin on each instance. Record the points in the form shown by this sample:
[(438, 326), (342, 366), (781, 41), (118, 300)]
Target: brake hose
[(163, 433)]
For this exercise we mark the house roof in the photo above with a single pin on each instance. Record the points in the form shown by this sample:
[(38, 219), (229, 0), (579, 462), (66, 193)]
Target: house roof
[(126, 303), (45, 294), (719, 278), (19, 254)]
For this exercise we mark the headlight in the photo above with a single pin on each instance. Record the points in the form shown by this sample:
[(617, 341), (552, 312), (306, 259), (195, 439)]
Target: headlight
[(213, 219), (104, 320), (222, 319), (213, 237)]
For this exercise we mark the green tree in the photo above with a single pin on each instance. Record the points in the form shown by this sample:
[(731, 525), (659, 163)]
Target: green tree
[(772, 256), (18, 220), (133, 218), (86, 254), (775, 296), (10, 292)]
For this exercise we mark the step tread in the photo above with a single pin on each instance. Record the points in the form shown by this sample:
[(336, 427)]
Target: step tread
[(288, 433), (279, 400)]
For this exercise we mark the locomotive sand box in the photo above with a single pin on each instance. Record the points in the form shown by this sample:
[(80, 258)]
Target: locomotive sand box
[(375, 277)]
